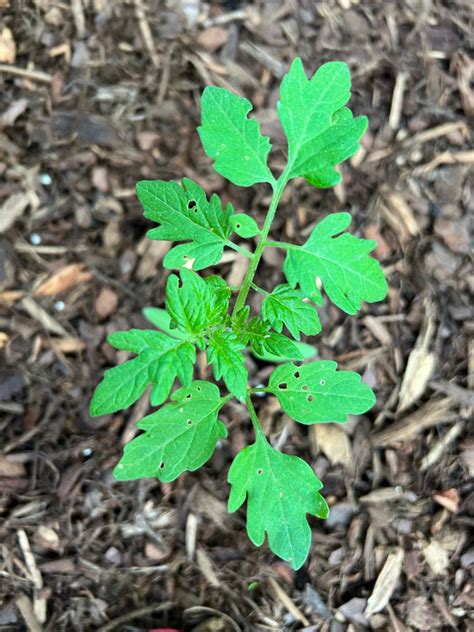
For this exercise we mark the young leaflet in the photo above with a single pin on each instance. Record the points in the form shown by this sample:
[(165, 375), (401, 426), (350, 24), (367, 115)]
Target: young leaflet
[(280, 490)]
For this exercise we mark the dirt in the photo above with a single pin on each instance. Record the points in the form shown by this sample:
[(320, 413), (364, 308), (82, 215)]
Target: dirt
[(97, 95)]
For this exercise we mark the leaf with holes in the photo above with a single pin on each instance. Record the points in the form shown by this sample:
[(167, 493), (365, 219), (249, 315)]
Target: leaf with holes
[(160, 359), (179, 437), (185, 214), (285, 306), (317, 393), (244, 225), (195, 304), (225, 355), (321, 132), (348, 275), (233, 140), (280, 490)]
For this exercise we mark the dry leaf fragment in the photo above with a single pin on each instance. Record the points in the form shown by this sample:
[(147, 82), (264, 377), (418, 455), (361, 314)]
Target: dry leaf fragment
[(463, 66), (421, 363), (65, 279), (385, 584), (12, 209), (437, 557), (213, 38), (334, 442), (449, 499), (7, 46), (399, 216)]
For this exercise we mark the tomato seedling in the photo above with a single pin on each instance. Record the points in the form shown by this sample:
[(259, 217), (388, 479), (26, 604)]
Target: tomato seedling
[(201, 313)]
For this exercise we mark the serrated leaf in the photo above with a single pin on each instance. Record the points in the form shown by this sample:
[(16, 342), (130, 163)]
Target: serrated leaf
[(349, 276), (179, 437), (160, 360), (318, 393), (233, 140), (244, 225), (263, 341), (321, 132), (224, 353), (185, 214), (280, 490), (195, 304), (284, 306), (306, 351), (121, 386), (160, 318)]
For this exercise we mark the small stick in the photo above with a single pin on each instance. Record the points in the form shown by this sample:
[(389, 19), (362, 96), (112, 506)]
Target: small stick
[(32, 75), (146, 33), (397, 101)]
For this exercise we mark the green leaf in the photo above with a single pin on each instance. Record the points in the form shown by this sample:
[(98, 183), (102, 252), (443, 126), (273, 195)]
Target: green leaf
[(317, 393), (349, 276), (195, 304), (244, 225), (179, 437), (321, 132), (224, 353), (232, 140), (284, 306), (280, 491), (306, 351), (185, 214), (160, 360), (162, 320), (264, 341)]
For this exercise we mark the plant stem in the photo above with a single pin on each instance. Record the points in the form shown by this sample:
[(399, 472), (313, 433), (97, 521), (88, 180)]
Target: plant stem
[(243, 251), (259, 289), (278, 189), (253, 416), (282, 244)]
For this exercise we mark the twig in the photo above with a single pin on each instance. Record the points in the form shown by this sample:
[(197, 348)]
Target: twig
[(146, 33), (32, 75), (136, 614), (397, 100)]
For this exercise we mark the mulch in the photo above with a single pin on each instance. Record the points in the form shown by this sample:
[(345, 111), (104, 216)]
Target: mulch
[(97, 95)]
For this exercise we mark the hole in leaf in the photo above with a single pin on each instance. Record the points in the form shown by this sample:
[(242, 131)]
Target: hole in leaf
[(189, 422), (162, 465), (188, 396), (198, 388), (322, 382), (304, 387), (237, 225), (259, 471), (191, 204), (309, 398), (297, 374), (283, 386)]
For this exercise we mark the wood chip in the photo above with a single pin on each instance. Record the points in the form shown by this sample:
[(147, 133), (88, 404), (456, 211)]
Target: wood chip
[(407, 428), (7, 46), (421, 363), (41, 316), (66, 278), (399, 216), (39, 603), (437, 557), (441, 446), (106, 303), (334, 442), (12, 209), (25, 607), (207, 568), (385, 584), (287, 602)]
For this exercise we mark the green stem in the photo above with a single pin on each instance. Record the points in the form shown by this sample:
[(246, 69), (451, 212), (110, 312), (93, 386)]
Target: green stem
[(243, 251), (278, 189), (282, 244), (253, 416), (259, 289)]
